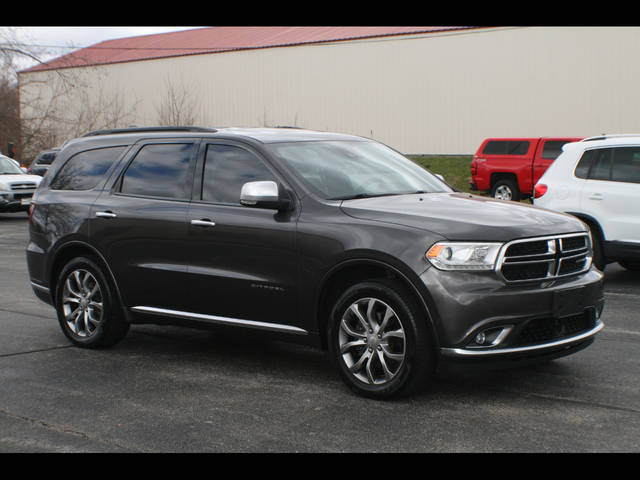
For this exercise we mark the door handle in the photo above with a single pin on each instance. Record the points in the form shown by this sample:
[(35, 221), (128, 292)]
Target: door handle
[(203, 223), (106, 214), (595, 196)]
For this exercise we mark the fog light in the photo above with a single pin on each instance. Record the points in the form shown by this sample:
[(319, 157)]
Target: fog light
[(491, 337)]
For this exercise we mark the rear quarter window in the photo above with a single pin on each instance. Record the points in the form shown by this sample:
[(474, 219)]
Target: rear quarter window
[(84, 170)]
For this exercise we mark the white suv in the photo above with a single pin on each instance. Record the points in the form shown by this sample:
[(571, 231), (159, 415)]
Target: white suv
[(16, 187), (598, 180)]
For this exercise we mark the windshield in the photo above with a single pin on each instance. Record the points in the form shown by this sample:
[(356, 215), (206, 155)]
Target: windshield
[(7, 167), (342, 170)]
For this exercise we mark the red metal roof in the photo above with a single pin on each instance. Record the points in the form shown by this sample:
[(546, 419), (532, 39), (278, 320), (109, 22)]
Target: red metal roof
[(217, 39)]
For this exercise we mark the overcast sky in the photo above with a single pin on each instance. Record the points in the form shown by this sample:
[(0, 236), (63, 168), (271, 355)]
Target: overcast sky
[(68, 38)]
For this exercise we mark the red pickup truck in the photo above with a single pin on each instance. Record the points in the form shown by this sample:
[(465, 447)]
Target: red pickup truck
[(510, 167)]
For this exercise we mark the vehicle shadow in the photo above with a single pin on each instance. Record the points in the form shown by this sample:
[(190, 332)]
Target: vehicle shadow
[(236, 353), (616, 276), (245, 357)]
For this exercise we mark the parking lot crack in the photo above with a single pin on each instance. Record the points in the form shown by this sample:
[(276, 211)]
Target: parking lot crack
[(38, 350), (68, 431), (556, 398)]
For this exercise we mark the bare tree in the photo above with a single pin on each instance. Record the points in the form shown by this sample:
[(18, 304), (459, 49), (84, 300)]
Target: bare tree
[(58, 104), (178, 105)]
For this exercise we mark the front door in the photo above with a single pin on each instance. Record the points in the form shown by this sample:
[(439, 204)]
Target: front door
[(243, 264)]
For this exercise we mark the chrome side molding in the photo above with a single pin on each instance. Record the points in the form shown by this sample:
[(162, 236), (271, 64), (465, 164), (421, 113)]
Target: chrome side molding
[(40, 287), (276, 327)]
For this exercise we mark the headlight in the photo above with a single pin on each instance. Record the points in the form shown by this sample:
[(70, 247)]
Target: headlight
[(463, 256)]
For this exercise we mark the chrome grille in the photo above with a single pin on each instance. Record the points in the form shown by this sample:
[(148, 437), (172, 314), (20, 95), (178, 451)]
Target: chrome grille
[(544, 258), (22, 186)]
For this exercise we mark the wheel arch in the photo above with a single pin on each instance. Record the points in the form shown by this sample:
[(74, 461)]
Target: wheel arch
[(591, 222), (351, 271), (74, 249), (495, 176)]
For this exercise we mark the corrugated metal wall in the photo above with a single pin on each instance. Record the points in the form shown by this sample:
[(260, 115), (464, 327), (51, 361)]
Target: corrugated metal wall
[(437, 93)]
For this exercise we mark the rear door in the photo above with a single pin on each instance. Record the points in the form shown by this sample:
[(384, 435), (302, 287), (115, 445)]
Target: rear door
[(140, 223), (612, 192)]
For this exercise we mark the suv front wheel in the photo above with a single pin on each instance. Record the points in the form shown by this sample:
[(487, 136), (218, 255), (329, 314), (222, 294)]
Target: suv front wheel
[(379, 340), (87, 308)]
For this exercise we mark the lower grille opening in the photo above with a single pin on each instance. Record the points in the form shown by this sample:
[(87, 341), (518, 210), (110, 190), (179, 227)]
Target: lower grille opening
[(545, 330)]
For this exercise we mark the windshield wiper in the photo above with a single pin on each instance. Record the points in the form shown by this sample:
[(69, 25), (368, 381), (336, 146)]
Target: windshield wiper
[(364, 195), (371, 195)]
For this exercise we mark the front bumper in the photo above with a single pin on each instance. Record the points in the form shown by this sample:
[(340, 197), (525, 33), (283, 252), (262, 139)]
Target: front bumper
[(552, 318), (15, 202)]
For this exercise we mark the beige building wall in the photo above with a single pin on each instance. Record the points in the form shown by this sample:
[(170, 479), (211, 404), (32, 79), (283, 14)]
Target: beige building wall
[(433, 94)]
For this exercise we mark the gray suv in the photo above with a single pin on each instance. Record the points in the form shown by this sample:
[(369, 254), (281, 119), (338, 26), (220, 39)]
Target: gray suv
[(325, 239), (41, 163)]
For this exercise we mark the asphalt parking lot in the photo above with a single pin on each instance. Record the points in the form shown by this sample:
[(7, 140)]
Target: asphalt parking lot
[(169, 389)]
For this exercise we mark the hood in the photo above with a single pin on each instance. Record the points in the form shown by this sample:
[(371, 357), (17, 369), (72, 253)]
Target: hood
[(464, 217), (6, 180)]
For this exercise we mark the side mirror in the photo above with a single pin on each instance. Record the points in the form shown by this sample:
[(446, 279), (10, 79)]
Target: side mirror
[(263, 195)]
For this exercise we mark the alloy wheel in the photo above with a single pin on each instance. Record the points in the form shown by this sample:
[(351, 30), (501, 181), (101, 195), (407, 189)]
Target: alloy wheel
[(372, 341), (82, 303), (503, 192)]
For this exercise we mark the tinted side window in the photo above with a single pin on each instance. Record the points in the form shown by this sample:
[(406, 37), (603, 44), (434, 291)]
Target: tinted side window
[(226, 169), (506, 147), (626, 165), (160, 170), (45, 158), (84, 170), (601, 167), (552, 149), (582, 169)]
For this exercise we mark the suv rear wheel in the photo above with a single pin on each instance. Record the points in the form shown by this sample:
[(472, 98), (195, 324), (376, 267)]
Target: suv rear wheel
[(379, 340), (506, 189), (88, 311)]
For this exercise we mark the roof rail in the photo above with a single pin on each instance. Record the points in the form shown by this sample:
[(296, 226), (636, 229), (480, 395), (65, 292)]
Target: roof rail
[(604, 136), (114, 131)]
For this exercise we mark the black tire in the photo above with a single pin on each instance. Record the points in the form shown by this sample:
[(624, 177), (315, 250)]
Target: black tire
[(506, 187), (630, 264), (95, 327), (418, 363), (599, 259)]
